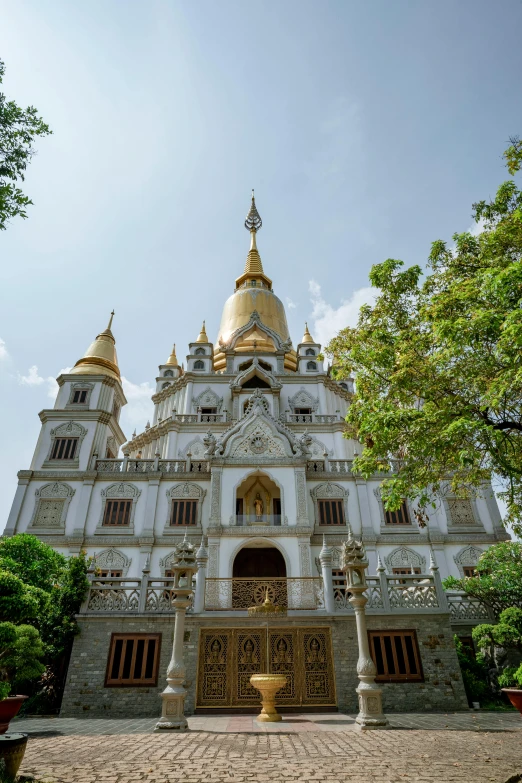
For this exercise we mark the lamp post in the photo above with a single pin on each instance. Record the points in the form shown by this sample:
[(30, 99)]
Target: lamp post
[(184, 567), (354, 563)]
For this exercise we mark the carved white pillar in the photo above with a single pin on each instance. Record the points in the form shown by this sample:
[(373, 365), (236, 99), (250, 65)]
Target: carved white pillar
[(201, 577), (325, 558), (300, 492), (173, 697), (215, 495), (354, 563)]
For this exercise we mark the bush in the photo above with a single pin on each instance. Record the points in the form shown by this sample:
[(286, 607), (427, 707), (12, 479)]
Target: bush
[(511, 677), (474, 673), (21, 651)]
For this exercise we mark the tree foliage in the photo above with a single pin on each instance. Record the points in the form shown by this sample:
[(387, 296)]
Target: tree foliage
[(21, 653), (498, 581), (18, 130), (437, 362), (41, 587)]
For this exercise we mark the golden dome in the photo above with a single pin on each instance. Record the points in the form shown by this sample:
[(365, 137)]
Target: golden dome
[(202, 337), (307, 337), (253, 293), (100, 357), (172, 360)]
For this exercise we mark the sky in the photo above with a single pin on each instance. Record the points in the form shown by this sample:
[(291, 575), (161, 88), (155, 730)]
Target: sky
[(367, 128)]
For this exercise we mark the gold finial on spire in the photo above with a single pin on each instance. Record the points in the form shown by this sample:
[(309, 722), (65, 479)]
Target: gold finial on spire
[(202, 336), (253, 220), (307, 337), (100, 357), (172, 360)]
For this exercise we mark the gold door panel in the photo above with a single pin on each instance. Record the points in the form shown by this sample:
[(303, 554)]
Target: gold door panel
[(229, 656)]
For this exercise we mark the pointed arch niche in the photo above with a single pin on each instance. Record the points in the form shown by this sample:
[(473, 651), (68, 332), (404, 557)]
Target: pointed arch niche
[(259, 501)]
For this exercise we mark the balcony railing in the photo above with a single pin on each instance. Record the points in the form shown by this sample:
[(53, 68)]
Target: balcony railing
[(311, 418), (252, 519), (464, 608), (299, 593), (390, 594), (152, 466), (387, 595), (201, 418), (329, 466), (129, 596)]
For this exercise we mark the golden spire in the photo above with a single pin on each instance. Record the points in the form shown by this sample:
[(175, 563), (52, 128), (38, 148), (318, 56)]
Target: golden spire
[(307, 337), (172, 360), (202, 337), (254, 265), (100, 357)]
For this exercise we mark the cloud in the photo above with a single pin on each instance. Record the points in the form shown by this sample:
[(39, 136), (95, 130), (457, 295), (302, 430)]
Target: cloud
[(329, 320), (4, 353), (139, 408), (290, 304), (34, 379)]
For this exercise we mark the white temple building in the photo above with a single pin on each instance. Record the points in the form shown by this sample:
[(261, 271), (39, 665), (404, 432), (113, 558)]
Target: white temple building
[(245, 454)]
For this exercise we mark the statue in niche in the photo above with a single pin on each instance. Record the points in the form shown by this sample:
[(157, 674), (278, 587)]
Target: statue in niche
[(249, 652), (258, 506)]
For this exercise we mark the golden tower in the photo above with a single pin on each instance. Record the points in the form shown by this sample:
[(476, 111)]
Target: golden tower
[(253, 292)]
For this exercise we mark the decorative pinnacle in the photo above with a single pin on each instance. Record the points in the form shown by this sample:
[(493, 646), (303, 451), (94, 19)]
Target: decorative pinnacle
[(110, 320), (253, 220)]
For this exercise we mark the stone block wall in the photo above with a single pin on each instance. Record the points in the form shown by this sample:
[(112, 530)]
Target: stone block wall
[(85, 693)]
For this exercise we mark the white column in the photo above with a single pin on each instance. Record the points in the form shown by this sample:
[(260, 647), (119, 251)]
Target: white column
[(325, 558), (201, 578), (14, 514)]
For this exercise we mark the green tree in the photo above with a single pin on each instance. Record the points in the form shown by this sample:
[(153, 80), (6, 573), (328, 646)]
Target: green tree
[(498, 580), (438, 364), (18, 130), (41, 587)]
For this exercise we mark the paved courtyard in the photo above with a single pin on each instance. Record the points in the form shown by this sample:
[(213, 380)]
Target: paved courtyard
[(236, 749)]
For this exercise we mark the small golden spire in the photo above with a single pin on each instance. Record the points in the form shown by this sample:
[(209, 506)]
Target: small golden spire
[(202, 336), (172, 360), (100, 357), (307, 337)]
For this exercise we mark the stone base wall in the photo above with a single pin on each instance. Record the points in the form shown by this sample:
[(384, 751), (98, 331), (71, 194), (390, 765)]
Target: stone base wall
[(85, 693)]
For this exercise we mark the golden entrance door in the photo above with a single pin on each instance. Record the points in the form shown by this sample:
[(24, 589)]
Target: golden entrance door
[(229, 656)]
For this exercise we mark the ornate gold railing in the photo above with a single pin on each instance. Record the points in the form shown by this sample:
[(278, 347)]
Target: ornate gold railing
[(241, 593)]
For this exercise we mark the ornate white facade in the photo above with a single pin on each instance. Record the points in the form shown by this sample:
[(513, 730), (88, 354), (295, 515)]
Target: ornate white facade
[(252, 431)]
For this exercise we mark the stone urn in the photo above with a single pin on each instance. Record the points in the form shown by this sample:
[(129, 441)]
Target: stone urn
[(8, 709), (268, 685), (515, 697), (12, 749)]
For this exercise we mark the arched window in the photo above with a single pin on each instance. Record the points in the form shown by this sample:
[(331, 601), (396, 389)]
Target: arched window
[(343, 385), (165, 385), (199, 351), (311, 366), (199, 365), (168, 374), (310, 352)]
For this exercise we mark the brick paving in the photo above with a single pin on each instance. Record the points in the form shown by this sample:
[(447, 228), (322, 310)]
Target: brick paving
[(305, 749)]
